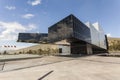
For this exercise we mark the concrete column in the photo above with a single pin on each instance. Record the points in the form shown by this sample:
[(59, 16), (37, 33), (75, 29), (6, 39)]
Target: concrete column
[(89, 49)]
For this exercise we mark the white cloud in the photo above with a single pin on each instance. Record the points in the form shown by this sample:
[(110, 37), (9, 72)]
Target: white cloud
[(31, 26), (108, 35), (10, 30), (28, 16), (10, 7), (35, 2)]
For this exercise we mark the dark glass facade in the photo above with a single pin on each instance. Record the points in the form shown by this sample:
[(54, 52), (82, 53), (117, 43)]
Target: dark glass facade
[(81, 31), (69, 27), (78, 47), (61, 30), (32, 37)]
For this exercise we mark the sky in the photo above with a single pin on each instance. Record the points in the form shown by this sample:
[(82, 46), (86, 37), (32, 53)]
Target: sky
[(35, 16)]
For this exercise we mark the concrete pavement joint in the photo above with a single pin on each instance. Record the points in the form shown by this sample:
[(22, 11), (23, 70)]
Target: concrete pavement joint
[(2, 60), (45, 75), (99, 61), (35, 65)]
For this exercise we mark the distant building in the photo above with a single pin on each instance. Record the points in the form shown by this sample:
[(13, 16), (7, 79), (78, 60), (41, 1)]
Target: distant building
[(81, 38)]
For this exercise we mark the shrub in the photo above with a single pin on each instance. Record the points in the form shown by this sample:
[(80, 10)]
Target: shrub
[(30, 52), (5, 52), (20, 52), (40, 51)]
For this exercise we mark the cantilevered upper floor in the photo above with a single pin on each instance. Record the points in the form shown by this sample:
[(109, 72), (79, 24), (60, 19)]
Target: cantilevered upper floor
[(67, 28), (33, 37)]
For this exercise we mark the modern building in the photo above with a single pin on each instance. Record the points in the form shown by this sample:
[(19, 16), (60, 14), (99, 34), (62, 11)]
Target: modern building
[(81, 38)]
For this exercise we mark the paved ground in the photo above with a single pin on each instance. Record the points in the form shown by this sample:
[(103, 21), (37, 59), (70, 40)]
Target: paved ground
[(21, 64), (82, 68)]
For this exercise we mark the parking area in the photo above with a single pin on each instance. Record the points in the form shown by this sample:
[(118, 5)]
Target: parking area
[(63, 68)]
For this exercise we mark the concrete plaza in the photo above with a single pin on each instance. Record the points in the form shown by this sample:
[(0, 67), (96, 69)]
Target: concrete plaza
[(64, 68)]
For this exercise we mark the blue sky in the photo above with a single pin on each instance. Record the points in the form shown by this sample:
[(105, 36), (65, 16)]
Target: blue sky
[(37, 15)]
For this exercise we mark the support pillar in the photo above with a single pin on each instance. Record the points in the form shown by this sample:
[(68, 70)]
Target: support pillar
[(89, 49)]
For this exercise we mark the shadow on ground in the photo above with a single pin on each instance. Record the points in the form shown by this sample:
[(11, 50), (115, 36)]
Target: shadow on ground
[(76, 55)]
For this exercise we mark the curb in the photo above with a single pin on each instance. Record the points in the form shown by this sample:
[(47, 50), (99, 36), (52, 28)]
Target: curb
[(14, 59)]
